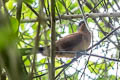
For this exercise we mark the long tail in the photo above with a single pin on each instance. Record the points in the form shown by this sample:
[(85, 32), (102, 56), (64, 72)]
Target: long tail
[(27, 51), (41, 49)]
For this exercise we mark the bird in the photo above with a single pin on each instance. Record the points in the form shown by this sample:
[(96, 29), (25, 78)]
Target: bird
[(78, 41)]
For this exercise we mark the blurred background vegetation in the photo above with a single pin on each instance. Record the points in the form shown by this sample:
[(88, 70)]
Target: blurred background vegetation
[(19, 21)]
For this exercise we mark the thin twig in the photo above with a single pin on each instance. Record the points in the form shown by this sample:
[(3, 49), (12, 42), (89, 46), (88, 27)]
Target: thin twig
[(65, 65), (103, 38), (96, 6), (51, 68), (19, 9), (30, 7), (84, 18), (35, 50), (60, 72), (85, 53), (76, 16)]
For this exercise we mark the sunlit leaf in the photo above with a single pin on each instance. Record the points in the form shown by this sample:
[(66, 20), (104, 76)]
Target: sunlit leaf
[(86, 9), (29, 1), (101, 35), (14, 24), (72, 28), (10, 4), (60, 7), (43, 60)]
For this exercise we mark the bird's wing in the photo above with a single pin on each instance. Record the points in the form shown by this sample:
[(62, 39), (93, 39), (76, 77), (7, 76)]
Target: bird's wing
[(69, 42)]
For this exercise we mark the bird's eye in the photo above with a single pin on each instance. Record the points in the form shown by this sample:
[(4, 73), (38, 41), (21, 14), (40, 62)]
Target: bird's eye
[(81, 22)]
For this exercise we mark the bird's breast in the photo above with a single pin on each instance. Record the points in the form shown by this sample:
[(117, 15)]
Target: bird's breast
[(85, 42)]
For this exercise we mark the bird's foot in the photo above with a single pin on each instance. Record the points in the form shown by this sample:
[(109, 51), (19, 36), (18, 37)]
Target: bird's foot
[(80, 53)]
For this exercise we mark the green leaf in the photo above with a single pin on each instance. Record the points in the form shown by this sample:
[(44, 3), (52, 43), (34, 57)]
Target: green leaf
[(57, 64), (43, 60), (60, 7), (34, 26), (27, 62), (105, 29), (10, 5), (46, 66), (29, 1), (108, 77), (67, 3), (27, 12), (90, 20), (72, 28), (74, 5), (68, 61), (14, 24), (99, 68), (91, 66), (101, 35), (86, 9), (22, 26), (7, 35)]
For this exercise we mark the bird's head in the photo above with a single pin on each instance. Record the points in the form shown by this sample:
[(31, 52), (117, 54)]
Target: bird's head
[(82, 27), (81, 23)]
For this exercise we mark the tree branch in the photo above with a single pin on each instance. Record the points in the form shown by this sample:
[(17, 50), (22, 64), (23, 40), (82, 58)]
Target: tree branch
[(103, 38), (53, 38), (76, 16)]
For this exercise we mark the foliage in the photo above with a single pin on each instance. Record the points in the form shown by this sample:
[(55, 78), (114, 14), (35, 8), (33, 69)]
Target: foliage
[(17, 39)]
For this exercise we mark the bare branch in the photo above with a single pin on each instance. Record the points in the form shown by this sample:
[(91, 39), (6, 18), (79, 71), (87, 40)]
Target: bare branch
[(103, 38), (76, 16), (51, 68), (29, 6)]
